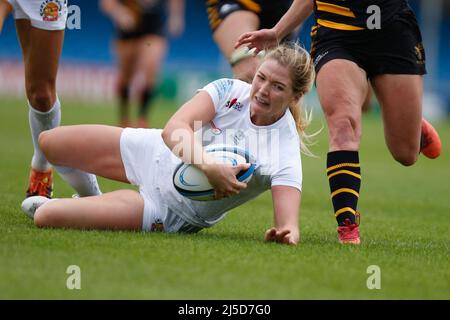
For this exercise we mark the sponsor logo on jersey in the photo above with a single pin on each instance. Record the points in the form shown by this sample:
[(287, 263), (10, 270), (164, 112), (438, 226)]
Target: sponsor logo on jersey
[(50, 10), (234, 103), (228, 8)]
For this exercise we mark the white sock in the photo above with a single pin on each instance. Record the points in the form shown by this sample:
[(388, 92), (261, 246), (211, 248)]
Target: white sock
[(85, 184), (40, 121)]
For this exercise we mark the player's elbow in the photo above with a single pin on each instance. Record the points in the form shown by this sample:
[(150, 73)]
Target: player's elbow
[(175, 132), (166, 133)]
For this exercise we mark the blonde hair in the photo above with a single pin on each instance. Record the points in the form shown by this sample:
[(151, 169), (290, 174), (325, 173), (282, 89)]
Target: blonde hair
[(301, 68)]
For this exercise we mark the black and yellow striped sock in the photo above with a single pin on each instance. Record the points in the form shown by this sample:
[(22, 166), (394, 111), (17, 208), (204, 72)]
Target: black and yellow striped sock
[(344, 177)]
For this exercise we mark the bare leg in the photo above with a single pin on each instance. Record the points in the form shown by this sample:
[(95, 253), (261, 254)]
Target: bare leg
[(342, 89), (118, 210), (367, 105), (41, 52), (400, 98), (226, 36), (152, 49), (90, 148), (126, 55)]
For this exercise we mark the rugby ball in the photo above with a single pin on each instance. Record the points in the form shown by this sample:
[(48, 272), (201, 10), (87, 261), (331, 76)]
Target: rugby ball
[(192, 183)]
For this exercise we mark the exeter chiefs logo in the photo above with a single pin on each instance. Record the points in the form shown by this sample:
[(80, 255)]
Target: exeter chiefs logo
[(51, 10), (157, 226)]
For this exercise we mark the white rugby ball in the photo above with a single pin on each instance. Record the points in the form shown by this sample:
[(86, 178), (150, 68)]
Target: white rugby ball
[(192, 183)]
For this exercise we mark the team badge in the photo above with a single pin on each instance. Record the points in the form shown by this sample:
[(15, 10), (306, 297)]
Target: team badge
[(51, 10), (157, 226)]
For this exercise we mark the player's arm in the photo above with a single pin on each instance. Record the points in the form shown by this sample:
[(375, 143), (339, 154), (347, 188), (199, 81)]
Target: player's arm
[(5, 10), (286, 206), (178, 135), (176, 17), (298, 12)]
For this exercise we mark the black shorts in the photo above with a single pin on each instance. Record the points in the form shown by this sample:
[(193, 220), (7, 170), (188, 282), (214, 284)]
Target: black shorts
[(394, 49), (151, 24), (268, 11)]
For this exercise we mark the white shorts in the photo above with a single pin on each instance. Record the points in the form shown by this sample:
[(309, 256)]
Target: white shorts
[(140, 150), (43, 14)]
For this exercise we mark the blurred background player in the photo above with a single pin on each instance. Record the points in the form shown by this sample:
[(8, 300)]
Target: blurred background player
[(347, 51), (229, 19), (141, 46), (40, 28)]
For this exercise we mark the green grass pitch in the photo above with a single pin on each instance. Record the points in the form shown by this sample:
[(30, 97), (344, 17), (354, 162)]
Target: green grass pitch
[(405, 230)]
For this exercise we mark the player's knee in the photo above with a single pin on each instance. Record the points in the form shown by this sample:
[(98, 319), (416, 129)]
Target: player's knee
[(41, 97), (41, 101), (345, 134), (45, 141), (406, 157), (44, 217)]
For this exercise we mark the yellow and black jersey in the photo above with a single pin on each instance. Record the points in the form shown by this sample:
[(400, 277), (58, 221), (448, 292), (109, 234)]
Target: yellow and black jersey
[(351, 15)]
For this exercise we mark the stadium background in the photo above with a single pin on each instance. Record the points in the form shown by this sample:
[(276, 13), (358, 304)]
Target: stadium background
[(87, 71)]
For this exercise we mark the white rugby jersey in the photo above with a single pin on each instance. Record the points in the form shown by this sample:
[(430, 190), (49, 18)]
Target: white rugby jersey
[(274, 148)]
